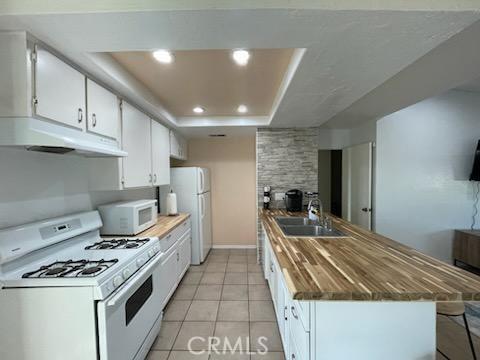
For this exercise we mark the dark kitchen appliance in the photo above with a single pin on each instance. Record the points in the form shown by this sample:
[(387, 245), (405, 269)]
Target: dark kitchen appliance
[(294, 200)]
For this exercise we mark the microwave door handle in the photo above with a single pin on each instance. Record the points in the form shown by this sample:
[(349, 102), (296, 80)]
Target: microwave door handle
[(140, 277)]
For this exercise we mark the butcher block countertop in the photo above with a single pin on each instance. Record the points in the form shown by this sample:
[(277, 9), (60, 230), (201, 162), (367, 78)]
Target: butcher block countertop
[(164, 225), (363, 266)]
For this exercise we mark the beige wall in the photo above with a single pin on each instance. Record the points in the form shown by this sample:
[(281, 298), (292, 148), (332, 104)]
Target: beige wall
[(231, 161)]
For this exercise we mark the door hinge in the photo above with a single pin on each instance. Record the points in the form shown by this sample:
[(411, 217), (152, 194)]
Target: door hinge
[(33, 56), (34, 102), (123, 181)]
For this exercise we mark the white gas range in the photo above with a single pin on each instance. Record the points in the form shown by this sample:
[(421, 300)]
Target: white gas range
[(68, 293)]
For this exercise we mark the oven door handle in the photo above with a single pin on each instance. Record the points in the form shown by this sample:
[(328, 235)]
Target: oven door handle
[(140, 277)]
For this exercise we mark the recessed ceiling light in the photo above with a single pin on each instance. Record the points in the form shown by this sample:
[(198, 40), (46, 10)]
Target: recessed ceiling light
[(242, 109), (241, 57), (163, 56), (198, 110)]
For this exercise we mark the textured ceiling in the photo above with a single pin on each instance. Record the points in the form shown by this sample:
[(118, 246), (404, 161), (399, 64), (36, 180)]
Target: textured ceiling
[(348, 52), (211, 79)]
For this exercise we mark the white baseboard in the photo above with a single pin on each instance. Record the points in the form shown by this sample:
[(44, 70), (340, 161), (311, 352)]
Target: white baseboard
[(234, 246)]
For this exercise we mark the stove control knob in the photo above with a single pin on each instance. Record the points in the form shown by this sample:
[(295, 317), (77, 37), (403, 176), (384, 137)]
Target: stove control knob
[(151, 252), (140, 262), (126, 273), (117, 281)]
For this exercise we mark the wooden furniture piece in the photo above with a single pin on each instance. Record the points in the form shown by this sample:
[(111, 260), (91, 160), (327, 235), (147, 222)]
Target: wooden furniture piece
[(456, 308), (466, 248)]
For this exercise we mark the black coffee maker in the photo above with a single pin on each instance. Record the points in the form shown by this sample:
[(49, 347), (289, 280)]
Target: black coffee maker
[(294, 200)]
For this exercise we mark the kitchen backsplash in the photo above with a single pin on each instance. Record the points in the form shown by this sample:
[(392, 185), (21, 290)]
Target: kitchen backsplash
[(286, 159)]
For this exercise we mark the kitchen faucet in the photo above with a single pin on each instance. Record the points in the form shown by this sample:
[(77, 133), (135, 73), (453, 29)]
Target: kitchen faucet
[(318, 214)]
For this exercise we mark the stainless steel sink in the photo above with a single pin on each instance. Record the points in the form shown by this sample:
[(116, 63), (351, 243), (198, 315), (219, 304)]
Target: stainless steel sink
[(302, 226), (310, 231), (285, 220)]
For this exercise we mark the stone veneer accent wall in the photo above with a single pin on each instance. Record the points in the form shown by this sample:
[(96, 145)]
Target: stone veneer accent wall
[(286, 159)]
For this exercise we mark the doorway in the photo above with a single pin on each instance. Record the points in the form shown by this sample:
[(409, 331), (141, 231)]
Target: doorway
[(357, 164), (330, 180)]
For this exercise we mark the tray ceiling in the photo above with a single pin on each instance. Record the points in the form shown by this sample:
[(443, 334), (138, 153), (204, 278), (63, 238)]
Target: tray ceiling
[(211, 79)]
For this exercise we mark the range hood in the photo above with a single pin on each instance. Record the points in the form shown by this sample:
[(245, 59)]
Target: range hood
[(45, 136)]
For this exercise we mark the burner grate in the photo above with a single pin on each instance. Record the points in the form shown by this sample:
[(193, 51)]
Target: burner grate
[(71, 268), (114, 244)]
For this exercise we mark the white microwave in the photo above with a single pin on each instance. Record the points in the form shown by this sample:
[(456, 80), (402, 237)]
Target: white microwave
[(128, 218)]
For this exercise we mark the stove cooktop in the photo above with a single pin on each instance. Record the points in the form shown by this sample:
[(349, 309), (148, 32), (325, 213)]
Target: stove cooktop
[(113, 244), (71, 269)]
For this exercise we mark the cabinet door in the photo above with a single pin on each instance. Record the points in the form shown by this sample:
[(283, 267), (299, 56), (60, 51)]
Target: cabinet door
[(281, 310), (59, 91), (184, 254), (103, 111), (168, 278), (160, 154), (137, 166), (174, 146)]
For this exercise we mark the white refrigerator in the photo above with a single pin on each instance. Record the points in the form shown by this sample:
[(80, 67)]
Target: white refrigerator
[(192, 186)]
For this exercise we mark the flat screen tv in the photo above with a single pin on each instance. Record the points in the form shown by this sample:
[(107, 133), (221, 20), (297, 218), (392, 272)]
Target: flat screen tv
[(475, 175)]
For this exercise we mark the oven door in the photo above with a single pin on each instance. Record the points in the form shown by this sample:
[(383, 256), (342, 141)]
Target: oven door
[(144, 217), (127, 316)]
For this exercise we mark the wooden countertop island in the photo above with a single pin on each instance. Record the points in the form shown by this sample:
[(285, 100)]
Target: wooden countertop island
[(363, 266)]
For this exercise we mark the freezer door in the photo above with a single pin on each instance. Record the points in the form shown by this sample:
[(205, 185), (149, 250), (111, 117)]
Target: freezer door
[(205, 225), (203, 180)]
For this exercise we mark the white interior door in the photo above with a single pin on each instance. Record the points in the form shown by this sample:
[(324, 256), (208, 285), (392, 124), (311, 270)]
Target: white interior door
[(357, 185)]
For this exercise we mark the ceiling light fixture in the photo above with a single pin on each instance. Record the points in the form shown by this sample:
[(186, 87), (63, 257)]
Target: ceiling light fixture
[(242, 109), (241, 57), (163, 56), (198, 110)]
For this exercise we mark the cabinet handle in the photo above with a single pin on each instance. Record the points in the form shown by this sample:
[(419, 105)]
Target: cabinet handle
[(285, 312), (271, 267), (94, 120), (169, 236), (80, 115), (294, 312), (155, 178), (293, 356), (150, 176), (178, 257)]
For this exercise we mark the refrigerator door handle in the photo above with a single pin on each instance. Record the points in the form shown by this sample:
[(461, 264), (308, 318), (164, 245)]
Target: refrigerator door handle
[(202, 178), (202, 206)]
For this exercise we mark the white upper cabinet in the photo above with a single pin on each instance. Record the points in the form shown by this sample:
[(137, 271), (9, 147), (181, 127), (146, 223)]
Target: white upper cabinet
[(137, 165), (178, 146), (102, 111), (59, 90), (160, 154)]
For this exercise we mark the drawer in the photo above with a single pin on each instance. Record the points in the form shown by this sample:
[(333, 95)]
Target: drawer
[(298, 345), (173, 236), (301, 309), (298, 333)]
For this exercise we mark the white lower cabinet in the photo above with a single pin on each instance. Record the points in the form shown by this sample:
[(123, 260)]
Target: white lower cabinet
[(293, 316), (176, 247), (169, 267), (184, 254)]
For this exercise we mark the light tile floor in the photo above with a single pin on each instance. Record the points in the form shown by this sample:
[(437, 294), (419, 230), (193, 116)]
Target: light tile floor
[(225, 297)]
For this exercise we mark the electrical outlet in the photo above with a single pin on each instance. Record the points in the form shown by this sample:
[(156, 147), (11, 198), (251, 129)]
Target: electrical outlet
[(279, 196)]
